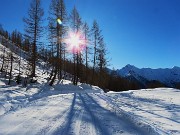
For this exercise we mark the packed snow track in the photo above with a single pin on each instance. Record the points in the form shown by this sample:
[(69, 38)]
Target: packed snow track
[(70, 114)]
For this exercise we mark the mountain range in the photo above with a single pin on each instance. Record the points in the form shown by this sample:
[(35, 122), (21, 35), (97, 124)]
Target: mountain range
[(167, 76)]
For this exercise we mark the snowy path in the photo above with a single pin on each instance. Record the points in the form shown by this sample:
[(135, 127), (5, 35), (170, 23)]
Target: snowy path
[(85, 114), (158, 108)]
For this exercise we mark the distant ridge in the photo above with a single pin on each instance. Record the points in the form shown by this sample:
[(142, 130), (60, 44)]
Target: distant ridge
[(168, 76)]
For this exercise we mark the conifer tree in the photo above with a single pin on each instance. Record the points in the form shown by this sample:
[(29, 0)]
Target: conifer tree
[(57, 30), (33, 29), (95, 33), (102, 60), (87, 48), (11, 59), (3, 56), (76, 24)]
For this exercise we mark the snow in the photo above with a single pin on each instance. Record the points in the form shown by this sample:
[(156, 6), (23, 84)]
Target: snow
[(84, 109), (167, 76), (65, 114), (158, 107)]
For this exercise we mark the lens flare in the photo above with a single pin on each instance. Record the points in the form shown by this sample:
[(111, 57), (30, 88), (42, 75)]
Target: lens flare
[(59, 21), (75, 42)]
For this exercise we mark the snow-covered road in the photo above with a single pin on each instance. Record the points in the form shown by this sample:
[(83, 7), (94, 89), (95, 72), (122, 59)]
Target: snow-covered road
[(80, 114), (65, 109)]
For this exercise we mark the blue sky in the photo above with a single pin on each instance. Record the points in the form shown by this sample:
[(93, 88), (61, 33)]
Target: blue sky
[(144, 33)]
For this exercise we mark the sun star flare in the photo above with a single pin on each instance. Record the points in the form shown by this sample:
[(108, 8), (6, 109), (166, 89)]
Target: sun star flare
[(75, 42)]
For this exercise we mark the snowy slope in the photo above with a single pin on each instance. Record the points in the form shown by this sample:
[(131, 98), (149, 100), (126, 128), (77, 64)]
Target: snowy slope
[(84, 109), (158, 107), (67, 109), (166, 76), (65, 114)]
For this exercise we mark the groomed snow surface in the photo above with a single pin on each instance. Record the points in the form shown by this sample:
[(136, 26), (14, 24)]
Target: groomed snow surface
[(86, 110), (65, 109)]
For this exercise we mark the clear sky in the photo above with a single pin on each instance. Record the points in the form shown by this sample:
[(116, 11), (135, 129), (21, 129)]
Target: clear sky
[(144, 33)]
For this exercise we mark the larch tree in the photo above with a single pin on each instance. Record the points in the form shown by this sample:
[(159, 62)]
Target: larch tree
[(57, 31), (102, 60), (33, 29), (16, 38), (3, 55), (76, 24), (86, 32), (11, 59), (95, 33)]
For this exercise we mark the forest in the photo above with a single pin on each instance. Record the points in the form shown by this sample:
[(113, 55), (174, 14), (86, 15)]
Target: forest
[(75, 49)]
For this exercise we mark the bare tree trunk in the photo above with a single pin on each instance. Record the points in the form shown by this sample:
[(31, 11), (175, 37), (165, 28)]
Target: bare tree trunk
[(94, 61), (77, 69), (54, 77), (4, 50), (34, 29), (3, 61), (57, 57), (74, 77), (64, 60), (86, 65), (60, 62), (19, 62), (34, 45), (10, 73), (58, 11)]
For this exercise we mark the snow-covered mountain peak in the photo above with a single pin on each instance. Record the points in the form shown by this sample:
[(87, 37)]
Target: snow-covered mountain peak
[(167, 76), (176, 68), (128, 70), (128, 66)]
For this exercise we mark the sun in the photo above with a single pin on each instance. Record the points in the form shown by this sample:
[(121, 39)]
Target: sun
[(75, 42)]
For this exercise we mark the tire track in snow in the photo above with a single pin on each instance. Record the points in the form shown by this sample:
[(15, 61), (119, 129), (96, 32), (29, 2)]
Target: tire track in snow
[(49, 122), (97, 126), (137, 121), (78, 120), (56, 122), (81, 122), (133, 99), (74, 125), (60, 125), (39, 112), (110, 122)]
